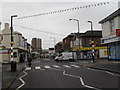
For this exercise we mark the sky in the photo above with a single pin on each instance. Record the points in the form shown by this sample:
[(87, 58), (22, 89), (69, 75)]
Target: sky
[(55, 25)]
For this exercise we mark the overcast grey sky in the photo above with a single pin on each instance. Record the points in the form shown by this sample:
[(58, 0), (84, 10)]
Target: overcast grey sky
[(42, 26)]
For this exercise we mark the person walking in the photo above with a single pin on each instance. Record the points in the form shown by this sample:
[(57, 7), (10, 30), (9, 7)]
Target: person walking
[(29, 61)]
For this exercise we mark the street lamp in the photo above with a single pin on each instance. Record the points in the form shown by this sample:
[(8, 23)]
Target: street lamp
[(92, 42), (13, 63), (78, 32)]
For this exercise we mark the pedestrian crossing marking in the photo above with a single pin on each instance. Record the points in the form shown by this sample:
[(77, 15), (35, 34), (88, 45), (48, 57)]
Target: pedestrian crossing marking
[(56, 66), (47, 67), (37, 67), (28, 68), (75, 66), (66, 66)]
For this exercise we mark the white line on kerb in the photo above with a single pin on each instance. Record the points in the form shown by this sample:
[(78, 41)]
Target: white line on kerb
[(23, 83)]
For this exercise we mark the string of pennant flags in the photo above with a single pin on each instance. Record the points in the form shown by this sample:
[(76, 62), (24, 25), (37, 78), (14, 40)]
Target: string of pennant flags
[(64, 10)]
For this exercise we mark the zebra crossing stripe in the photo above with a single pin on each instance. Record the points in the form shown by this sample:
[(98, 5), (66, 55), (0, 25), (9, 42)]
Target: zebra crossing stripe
[(66, 66), (75, 66), (47, 67), (56, 66), (37, 67), (28, 68)]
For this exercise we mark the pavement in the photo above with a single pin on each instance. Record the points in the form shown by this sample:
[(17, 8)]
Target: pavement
[(0, 75), (101, 64), (8, 77)]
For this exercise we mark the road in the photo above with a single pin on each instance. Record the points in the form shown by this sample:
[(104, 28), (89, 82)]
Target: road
[(0, 75), (46, 73)]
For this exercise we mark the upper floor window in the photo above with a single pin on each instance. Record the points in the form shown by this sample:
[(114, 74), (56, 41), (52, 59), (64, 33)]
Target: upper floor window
[(112, 25)]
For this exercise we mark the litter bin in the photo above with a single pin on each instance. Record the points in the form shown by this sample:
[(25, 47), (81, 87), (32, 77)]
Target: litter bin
[(13, 66)]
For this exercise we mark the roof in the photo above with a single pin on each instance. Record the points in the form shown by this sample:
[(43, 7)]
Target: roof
[(95, 34), (111, 16)]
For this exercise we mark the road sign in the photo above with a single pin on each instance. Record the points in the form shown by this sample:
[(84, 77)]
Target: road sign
[(1, 37)]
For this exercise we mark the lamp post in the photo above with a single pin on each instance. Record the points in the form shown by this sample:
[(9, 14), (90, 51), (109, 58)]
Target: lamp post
[(92, 42), (13, 63), (78, 32)]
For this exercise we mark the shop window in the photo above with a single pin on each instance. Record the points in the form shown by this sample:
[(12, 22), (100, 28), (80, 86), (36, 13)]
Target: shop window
[(15, 54)]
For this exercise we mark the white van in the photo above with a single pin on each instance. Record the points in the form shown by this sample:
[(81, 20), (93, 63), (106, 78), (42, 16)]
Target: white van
[(66, 56)]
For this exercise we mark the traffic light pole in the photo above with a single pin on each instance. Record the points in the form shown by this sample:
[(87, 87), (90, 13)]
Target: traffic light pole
[(13, 63)]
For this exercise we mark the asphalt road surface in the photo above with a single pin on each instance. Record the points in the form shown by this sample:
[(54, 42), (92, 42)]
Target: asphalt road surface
[(0, 75), (46, 73)]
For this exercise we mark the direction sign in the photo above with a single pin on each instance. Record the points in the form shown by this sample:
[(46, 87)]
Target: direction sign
[(1, 37)]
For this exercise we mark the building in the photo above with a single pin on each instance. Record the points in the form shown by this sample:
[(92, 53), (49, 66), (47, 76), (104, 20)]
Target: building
[(36, 45), (67, 42), (19, 46), (58, 47), (111, 34), (83, 45)]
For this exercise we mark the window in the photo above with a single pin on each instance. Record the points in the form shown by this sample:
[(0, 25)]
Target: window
[(112, 25), (15, 54)]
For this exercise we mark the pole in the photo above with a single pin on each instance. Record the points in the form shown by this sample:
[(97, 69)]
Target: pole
[(13, 63), (92, 42), (77, 36)]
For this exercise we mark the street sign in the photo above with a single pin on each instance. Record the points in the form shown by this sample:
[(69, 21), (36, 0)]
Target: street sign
[(1, 37), (117, 32)]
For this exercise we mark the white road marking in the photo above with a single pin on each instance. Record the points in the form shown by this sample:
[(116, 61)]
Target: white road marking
[(47, 67), (28, 68), (46, 59), (36, 62), (81, 80), (71, 62), (56, 66), (38, 67), (104, 71), (66, 66), (23, 83), (75, 66)]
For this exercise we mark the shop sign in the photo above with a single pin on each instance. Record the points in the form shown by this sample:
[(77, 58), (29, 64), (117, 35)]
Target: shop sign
[(109, 39), (88, 48), (117, 32)]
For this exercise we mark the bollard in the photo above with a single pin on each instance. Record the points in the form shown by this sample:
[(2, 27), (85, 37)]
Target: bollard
[(13, 66)]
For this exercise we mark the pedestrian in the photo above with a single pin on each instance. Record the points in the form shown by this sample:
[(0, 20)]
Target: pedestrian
[(29, 61)]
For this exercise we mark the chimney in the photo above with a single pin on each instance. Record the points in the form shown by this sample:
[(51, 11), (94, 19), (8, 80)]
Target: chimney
[(6, 26)]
